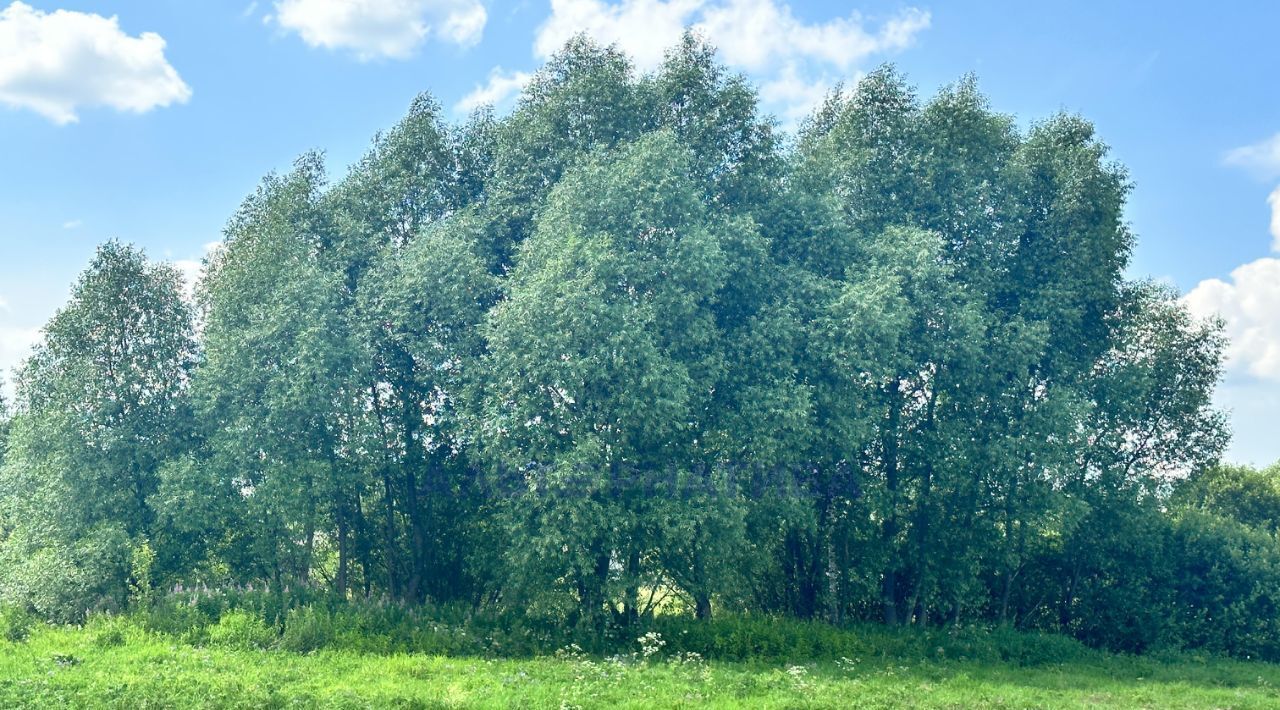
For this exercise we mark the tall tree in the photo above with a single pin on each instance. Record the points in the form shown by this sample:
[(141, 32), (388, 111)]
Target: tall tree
[(602, 357), (278, 370), (103, 404)]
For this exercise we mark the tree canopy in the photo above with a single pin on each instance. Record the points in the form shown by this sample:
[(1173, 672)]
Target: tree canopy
[(632, 348)]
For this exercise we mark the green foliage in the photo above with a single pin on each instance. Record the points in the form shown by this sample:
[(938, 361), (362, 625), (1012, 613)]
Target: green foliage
[(177, 617), (64, 582), (628, 353), (109, 630), (142, 560), (15, 623), (239, 629), (1242, 493), (102, 405)]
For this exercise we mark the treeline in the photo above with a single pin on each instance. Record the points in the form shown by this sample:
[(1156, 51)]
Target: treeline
[(630, 349)]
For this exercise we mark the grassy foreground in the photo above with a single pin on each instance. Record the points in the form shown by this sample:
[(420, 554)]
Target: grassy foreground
[(76, 667)]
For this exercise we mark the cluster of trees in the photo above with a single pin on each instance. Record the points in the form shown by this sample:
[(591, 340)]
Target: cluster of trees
[(629, 347)]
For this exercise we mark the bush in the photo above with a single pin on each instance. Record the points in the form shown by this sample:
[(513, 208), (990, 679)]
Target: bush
[(15, 624), (1034, 648), (241, 630), (307, 629), (66, 583), (249, 620), (1227, 587), (180, 618), (110, 630)]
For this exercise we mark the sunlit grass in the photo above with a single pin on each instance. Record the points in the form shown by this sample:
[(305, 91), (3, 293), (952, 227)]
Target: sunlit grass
[(69, 667)]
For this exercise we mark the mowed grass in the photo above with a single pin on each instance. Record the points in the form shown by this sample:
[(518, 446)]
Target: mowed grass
[(70, 667)]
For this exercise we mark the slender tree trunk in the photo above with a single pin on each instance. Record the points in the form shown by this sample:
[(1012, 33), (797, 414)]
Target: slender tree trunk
[(309, 530), (391, 541), (415, 461), (343, 555), (923, 553), (701, 606), (1068, 596), (414, 590), (390, 529), (599, 582), (630, 606), (834, 579), (362, 546), (309, 550), (1011, 534), (889, 447)]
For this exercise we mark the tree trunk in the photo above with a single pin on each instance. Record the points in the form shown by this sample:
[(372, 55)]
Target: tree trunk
[(362, 546), (889, 447), (702, 606), (310, 548), (391, 543), (922, 554), (343, 555), (630, 606), (595, 603)]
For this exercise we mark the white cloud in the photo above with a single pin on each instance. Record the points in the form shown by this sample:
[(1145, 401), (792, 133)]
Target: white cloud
[(794, 60), (15, 346), (465, 25), (644, 29), (4, 304), (1250, 301), (192, 269), (796, 96), (374, 29), (1274, 200), (1248, 304), (500, 87), (72, 224), (55, 63), (755, 34), (1262, 158)]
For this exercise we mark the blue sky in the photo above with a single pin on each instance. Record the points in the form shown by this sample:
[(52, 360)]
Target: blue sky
[(151, 128)]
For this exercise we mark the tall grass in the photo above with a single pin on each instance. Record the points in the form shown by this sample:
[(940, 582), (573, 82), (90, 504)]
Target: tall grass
[(307, 622)]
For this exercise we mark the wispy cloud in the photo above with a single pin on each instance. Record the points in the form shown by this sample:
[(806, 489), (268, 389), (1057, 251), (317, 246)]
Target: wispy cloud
[(796, 61), (497, 90), (15, 345), (1261, 158), (381, 29)]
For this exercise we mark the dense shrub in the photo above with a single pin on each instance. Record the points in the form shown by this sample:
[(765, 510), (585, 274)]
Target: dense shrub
[(246, 620), (111, 630), (1226, 586), (15, 623), (743, 638), (177, 617), (242, 630), (66, 583)]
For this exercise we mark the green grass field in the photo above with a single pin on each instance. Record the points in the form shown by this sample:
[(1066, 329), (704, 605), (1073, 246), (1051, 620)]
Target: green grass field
[(126, 667)]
